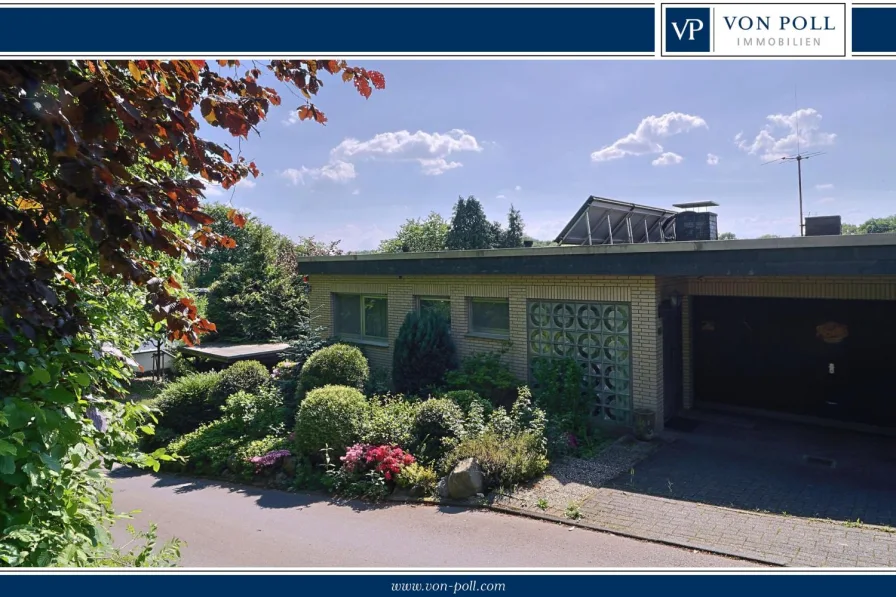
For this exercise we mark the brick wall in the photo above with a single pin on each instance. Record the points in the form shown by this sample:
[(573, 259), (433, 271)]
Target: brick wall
[(642, 292), (831, 287)]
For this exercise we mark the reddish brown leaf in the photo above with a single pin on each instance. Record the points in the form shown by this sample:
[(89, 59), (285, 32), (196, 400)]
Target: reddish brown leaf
[(173, 283), (238, 219), (227, 157)]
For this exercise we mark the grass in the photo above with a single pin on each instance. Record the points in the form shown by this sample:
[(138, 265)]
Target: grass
[(572, 511)]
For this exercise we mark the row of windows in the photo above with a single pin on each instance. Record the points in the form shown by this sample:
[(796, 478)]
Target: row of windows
[(366, 316)]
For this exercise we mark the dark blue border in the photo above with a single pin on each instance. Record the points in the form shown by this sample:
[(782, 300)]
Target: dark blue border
[(232, 31), (242, 585), (874, 29)]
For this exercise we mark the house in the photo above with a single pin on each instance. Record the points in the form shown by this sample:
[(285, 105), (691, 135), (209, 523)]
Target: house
[(801, 327)]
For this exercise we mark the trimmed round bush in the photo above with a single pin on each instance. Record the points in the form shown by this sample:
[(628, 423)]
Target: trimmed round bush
[(188, 402), (466, 398), (337, 365), (391, 422), (247, 376), (330, 417), (438, 424)]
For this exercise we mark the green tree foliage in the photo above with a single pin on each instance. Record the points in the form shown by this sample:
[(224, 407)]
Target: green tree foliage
[(470, 229), (101, 173), (255, 291), (423, 234), (424, 352), (514, 235), (727, 236), (878, 225)]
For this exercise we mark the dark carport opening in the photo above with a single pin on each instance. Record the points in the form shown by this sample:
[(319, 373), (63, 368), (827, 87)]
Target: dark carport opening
[(815, 358)]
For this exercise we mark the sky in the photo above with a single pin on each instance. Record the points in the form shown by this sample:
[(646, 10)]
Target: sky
[(545, 135)]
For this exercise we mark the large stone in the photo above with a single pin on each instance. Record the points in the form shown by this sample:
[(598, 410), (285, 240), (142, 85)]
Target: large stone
[(466, 480), (442, 487)]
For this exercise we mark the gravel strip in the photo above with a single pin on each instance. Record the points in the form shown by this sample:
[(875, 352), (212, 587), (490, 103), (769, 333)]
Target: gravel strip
[(571, 481)]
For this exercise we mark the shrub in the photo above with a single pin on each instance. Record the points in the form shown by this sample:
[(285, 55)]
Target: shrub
[(297, 353), (505, 461), (558, 390), (369, 471), (336, 365), (182, 365), (331, 417), (424, 352), (466, 398), (417, 475), (379, 382), (247, 376), (438, 424), (391, 421), (485, 374), (259, 414), (208, 449), (259, 455), (188, 402)]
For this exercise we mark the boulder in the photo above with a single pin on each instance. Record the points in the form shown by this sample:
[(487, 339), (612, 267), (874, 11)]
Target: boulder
[(442, 487), (466, 480), (289, 465)]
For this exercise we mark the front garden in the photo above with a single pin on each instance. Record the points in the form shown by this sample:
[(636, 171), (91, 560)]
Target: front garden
[(440, 426)]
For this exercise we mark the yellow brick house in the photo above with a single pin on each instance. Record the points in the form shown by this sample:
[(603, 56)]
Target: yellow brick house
[(801, 327)]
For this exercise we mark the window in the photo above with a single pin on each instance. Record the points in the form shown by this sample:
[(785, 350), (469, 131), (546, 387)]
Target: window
[(438, 304), (361, 317), (490, 317)]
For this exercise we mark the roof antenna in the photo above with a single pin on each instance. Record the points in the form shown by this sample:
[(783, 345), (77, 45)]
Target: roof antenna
[(798, 158)]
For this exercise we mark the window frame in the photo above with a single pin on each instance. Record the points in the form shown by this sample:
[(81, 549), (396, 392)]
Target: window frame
[(419, 299), (492, 333), (362, 337)]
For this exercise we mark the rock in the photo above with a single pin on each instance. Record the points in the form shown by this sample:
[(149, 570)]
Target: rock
[(417, 491), (289, 465), (466, 480), (442, 488)]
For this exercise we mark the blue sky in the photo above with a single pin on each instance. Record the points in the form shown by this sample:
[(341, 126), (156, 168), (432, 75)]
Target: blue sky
[(545, 135)]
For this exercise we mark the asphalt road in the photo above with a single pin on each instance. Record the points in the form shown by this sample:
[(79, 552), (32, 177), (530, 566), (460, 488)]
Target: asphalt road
[(233, 526)]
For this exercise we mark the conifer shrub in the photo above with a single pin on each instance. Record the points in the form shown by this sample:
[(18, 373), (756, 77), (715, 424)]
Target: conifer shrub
[(424, 353)]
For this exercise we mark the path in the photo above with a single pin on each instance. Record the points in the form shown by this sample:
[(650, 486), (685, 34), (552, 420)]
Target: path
[(247, 527)]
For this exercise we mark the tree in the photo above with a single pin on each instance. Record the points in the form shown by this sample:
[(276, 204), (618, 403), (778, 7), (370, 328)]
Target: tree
[(727, 236), (470, 229), (769, 236), (429, 234), (879, 225), (102, 169), (513, 237)]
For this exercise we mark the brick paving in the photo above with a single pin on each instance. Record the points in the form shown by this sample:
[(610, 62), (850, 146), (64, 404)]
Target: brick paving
[(747, 490), (776, 539)]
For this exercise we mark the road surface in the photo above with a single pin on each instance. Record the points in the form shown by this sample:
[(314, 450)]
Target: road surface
[(234, 526)]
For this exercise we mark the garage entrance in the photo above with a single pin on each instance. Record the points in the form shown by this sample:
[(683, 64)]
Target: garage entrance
[(831, 359)]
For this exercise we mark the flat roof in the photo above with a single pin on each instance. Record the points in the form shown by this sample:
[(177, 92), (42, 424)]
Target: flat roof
[(231, 352), (810, 255)]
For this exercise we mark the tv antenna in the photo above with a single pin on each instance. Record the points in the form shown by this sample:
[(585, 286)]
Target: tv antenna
[(798, 158)]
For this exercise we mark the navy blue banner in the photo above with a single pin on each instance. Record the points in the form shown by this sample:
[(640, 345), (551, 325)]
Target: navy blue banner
[(874, 29), (455, 583), (233, 32)]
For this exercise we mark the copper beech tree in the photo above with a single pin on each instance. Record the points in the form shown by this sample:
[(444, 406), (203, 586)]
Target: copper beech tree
[(98, 150)]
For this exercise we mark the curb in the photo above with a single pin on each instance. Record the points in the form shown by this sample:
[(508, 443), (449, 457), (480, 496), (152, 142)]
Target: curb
[(573, 523)]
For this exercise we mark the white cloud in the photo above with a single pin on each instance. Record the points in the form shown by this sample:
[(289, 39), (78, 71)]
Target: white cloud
[(501, 197), (517, 188), (786, 134), (430, 150), (212, 190), (824, 187), (293, 119), (668, 159), (826, 200), (645, 139), (336, 171), (246, 183), (712, 159), (356, 192), (436, 166)]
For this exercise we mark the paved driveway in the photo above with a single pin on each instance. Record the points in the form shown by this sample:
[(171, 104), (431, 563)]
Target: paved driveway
[(238, 526), (776, 467)]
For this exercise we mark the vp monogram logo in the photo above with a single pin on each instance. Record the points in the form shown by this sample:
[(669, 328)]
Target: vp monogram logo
[(690, 27), (687, 30)]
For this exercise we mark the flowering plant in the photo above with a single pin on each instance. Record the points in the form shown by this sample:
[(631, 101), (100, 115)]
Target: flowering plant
[(385, 459), (269, 459)]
